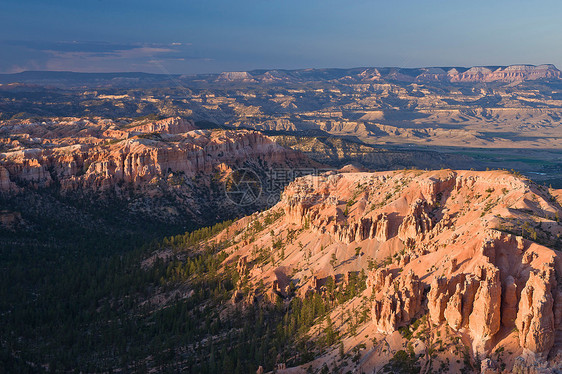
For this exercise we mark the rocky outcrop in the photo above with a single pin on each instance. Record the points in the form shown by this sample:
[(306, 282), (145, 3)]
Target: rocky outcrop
[(509, 302), (137, 161), (510, 73), (488, 366), (169, 176), (376, 227), (528, 365), (468, 300), (26, 169), (311, 286), (441, 243), (485, 318), (6, 185), (242, 265), (535, 318), (417, 222), (173, 125), (475, 74), (235, 76), (505, 74), (399, 299)]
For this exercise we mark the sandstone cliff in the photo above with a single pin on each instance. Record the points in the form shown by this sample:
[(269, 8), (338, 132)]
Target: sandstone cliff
[(159, 168), (175, 147), (470, 253)]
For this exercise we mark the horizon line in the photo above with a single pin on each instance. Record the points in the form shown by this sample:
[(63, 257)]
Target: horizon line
[(281, 69)]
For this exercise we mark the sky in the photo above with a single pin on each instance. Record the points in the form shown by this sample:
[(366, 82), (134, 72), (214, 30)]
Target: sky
[(208, 36)]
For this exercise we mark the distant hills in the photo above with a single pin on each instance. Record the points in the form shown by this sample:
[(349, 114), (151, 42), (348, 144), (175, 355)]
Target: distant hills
[(484, 74), (425, 74)]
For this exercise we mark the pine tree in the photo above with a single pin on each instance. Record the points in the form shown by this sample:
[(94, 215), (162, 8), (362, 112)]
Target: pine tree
[(330, 332)]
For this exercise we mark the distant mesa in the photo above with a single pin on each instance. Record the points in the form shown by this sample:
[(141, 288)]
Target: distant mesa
[(505, 74), (235, 76), (452, 74), (474, 74)]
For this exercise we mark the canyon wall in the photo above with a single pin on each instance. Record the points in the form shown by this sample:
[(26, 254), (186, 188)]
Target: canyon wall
[(471, 253)]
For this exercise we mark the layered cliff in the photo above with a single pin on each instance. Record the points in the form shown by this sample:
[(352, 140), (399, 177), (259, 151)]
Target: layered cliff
[(170, 146), (138, 160), (473, 255), (505, 74), (155, 167), (511, 73)]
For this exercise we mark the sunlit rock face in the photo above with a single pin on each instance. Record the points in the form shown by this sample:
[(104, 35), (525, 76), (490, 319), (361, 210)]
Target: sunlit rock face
[(160, 168), (447, 248)]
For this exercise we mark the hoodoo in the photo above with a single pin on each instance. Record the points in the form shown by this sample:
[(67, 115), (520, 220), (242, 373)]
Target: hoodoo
[(443, 253)]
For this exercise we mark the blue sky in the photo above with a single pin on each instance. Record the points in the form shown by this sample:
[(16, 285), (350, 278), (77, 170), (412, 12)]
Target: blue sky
[(199, 36)]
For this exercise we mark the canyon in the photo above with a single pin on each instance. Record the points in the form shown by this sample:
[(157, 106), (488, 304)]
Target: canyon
[(357, 260), (474, 255), (496, 117), (168, 169)]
